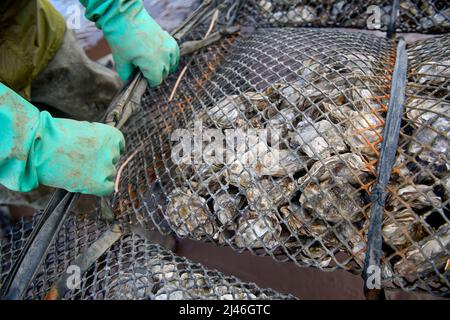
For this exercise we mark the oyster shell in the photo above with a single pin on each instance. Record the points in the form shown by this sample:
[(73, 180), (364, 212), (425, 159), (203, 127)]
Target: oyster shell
[(258, 101), (266, 7), (196, 284), (224, 290), (163, 270), (265, 102), (280, 163), (203, 178), (416, 196), (239, 296), (431, 142), (333, 201), (401, 226), (283, 118), (262, 160), (171, 291), (258, 230), (417, 257), (445, 182), (280, 17), (296, 219), (134, 285), (279, 126), (363, 130), (318, 140), (267, 193), (337, 113), (302, 14), (303, 224), (351, 241), (433, 72), (401, 166), (313, 68), (187, 214), (227, 112), (292, 95), (226, 207), (360, 64), (323, 91), (364, 100), (425, 110), (316, 255), (347, 167), (437, 19)]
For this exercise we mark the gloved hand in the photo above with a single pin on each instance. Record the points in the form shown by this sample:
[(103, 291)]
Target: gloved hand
[(37, 149), (136, 40)]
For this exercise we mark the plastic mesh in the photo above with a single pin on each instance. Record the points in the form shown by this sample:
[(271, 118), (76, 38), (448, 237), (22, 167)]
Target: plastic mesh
[(305, 110), (305, 198), (413, 16), (12, 239), (248, 203), (135, 269), (416, 227), (131, 269)]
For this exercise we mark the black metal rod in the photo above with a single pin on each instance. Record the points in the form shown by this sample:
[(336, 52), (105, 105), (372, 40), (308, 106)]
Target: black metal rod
[(391, 28), (388, 151), (37, 246)]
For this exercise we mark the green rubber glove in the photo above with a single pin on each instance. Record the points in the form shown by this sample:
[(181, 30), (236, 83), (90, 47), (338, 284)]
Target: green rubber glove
[(35, 149), (136, 40)]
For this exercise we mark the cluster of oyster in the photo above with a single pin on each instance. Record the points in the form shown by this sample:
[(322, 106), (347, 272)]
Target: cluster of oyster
[(300, 190), (424, 16), (427, 16), (161, 278), (420, 201), (306, 191)]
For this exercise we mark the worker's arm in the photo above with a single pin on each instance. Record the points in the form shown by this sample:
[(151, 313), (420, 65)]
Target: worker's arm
[(37, 149), (136, 40)]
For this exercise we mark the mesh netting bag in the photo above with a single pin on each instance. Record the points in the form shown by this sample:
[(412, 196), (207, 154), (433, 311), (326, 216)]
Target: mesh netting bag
[(136, 270), (412, 15), (419, 200), (131, 269), (269, 141), (250, 203), (303, 194)]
